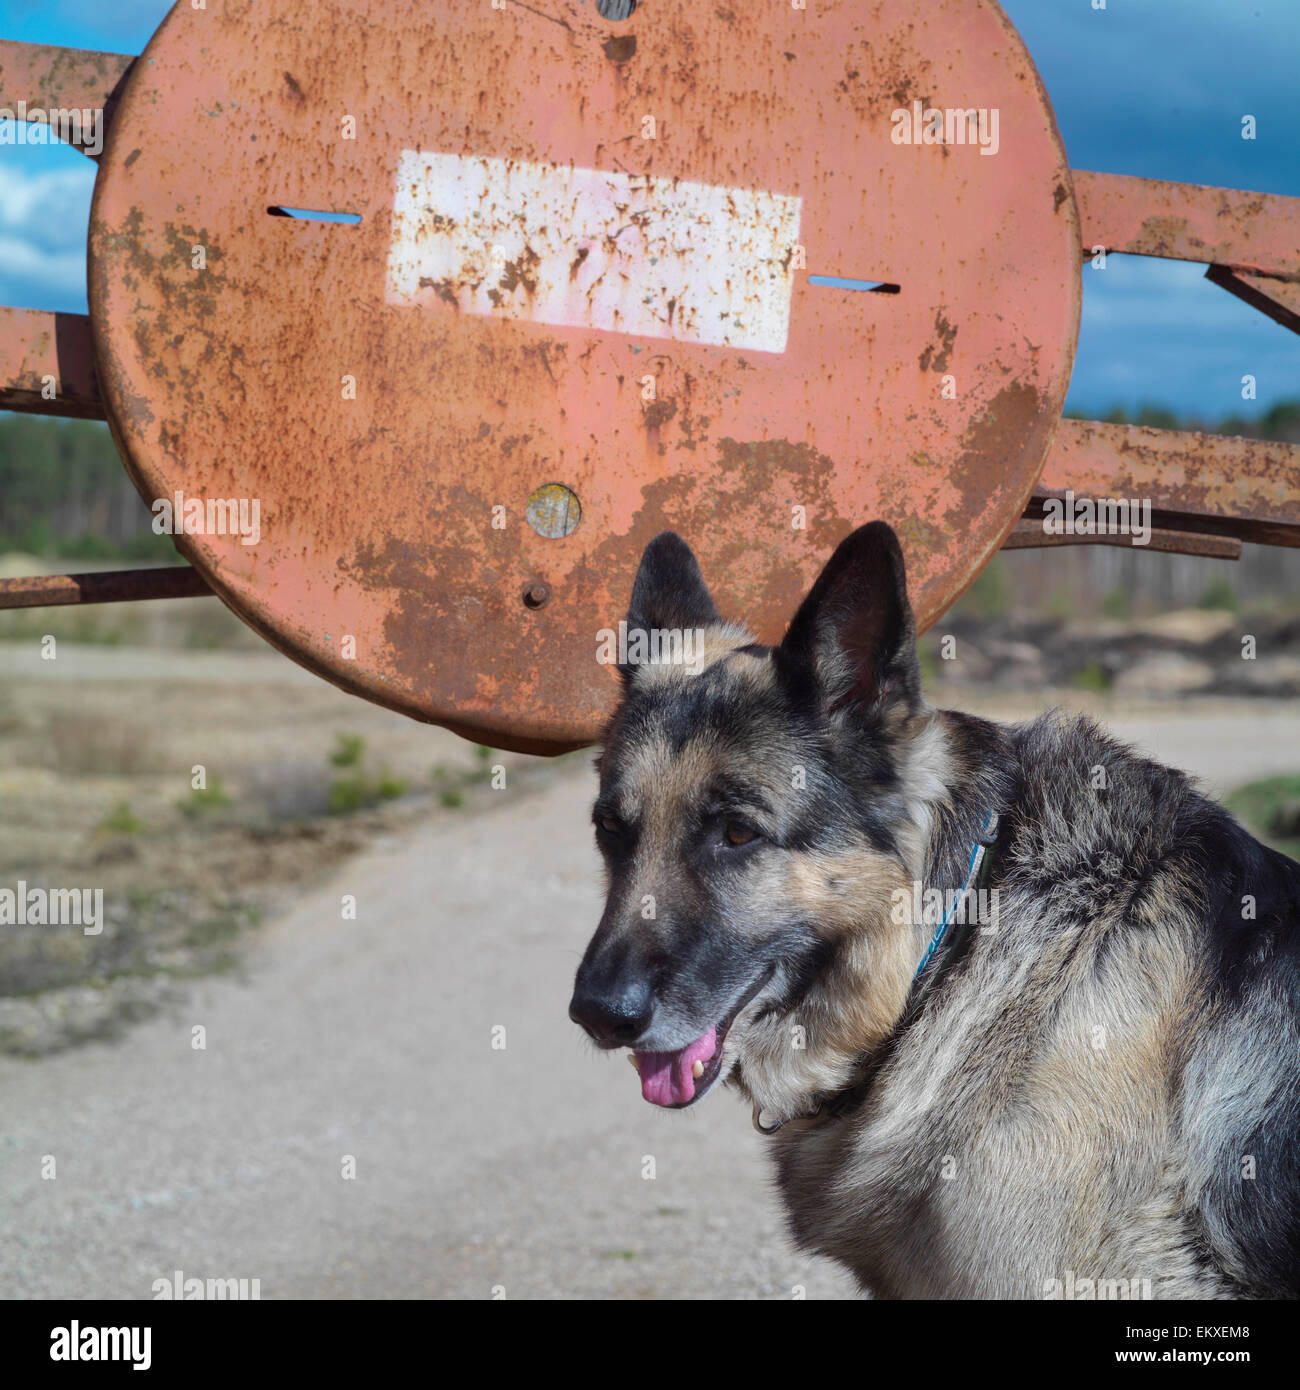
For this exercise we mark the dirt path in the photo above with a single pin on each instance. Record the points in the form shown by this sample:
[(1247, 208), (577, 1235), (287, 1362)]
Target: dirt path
[(475, 1167)]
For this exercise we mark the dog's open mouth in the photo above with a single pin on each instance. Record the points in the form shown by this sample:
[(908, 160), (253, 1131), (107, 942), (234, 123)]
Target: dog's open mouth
[(676, 1079)]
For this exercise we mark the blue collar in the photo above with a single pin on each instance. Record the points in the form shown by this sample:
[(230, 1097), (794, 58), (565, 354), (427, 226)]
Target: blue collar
[(840, 1103), (978, 855)]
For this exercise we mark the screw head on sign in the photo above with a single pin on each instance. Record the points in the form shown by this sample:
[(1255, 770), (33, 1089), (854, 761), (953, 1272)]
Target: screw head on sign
[(536, 594)]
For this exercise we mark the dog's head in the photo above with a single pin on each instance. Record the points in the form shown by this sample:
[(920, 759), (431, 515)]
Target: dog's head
[(757, 817)]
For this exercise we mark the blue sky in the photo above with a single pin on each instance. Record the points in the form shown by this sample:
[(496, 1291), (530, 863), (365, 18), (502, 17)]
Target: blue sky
[(1155, 88)]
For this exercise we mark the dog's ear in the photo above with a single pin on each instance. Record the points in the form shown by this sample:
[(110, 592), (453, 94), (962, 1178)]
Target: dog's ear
[(669, 592), (854, 635)]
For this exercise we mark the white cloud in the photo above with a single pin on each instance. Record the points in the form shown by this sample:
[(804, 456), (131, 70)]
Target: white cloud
[(51, 209), (44, 214), (41, 269)]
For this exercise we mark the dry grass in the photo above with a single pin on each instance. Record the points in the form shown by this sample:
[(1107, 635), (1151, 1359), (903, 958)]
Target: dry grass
[(90, 745)]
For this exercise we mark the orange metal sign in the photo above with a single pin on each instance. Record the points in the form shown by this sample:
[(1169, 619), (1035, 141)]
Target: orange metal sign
[(596, 290)]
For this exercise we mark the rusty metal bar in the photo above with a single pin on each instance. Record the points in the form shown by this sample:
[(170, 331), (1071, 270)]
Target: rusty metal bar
[(44, 77), (40, 352), (111, 586), (1279, 299), (1202, 483), (1029, 535), (1254, 233)]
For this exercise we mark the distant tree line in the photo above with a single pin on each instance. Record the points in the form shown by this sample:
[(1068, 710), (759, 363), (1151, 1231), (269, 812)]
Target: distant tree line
[(1281, 422), (64, 494)]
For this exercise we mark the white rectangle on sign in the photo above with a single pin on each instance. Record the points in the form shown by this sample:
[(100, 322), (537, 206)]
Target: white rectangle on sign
[(650, 257)]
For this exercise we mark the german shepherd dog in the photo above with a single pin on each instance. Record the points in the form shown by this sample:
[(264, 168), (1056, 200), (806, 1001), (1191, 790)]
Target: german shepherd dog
[(1092, 1091)]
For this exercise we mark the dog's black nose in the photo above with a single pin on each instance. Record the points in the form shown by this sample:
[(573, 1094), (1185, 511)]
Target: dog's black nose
[(615, 1015)]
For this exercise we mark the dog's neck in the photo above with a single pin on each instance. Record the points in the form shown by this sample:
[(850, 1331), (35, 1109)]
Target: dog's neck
[(954, 770)]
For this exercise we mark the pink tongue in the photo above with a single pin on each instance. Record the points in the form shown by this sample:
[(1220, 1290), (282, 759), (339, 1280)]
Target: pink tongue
[(666, 1076)]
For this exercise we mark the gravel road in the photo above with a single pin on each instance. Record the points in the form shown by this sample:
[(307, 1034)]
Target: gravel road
[(533, 1167)]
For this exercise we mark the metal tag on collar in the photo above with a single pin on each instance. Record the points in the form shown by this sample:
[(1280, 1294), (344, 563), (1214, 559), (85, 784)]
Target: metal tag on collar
[(781, 1124), (760, 1126)]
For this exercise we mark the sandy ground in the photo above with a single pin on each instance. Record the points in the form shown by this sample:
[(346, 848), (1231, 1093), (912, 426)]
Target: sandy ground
[(532, 1167)]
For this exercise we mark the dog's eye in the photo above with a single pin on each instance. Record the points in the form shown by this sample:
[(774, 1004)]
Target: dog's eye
[(609, 825), (737, 834)]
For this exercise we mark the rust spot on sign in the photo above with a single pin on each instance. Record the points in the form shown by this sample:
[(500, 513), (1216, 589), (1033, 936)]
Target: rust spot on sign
[(620, 47), (935, 357)]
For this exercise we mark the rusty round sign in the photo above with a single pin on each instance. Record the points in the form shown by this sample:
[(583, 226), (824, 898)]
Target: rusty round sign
[(473, 301)]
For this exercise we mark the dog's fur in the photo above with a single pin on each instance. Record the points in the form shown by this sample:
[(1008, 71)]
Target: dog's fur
[(1104, 1088)]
